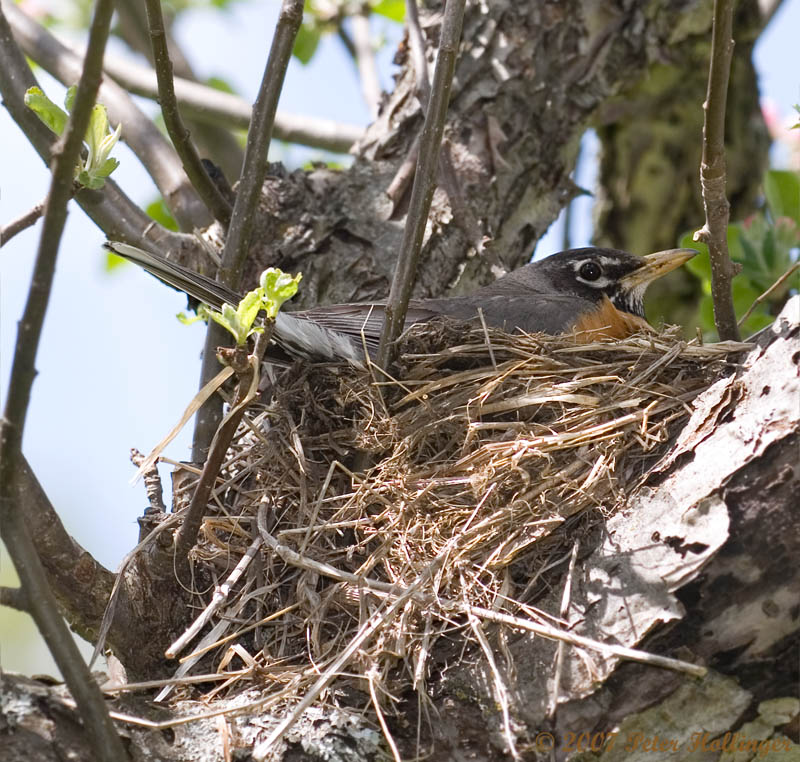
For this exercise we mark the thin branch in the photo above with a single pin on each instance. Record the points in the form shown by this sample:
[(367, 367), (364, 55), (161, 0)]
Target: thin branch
[(14, 598), (213, 140), (345, 38), (215, 202), (7, 232), (365, 60), (448, 177), (422, 192), (248, 369), (109, 207), (207, 104), (713, 175), (771, 290), (139, 130), (237, 243), (43, 606)]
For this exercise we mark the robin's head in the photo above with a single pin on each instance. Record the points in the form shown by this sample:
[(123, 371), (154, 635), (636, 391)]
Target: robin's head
[(593, 273)]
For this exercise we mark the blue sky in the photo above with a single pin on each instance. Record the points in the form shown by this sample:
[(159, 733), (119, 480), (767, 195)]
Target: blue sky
[(115, 368)]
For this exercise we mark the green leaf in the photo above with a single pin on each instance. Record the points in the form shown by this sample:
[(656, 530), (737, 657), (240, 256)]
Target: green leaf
[(220, 84), (113, 261), (69, 97), (391, 9), (306, 42), (54, 117), (158, 211), (249, 308), (782, 189), (277, 287), (108, 166), (186, 320)]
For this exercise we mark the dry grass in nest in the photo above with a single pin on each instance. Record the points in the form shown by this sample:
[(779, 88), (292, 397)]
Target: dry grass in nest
[(478, 455)]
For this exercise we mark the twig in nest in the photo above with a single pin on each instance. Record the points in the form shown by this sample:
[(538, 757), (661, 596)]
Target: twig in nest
[(565, 599), (218, 599), (365, 632), (248, 370), (500, 690)]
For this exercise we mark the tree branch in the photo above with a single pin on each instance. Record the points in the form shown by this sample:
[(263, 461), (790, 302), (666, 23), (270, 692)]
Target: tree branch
[(215, 202), (365, 60), (422, 192), (42, 602), (14, 598), (206, 104), (249, 191), (214, 140), (23, 222), (713, 172), (139, 131), (448, 177)]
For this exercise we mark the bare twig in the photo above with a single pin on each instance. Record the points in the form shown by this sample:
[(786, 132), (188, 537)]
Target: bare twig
[(216, 203), (248, 369), (365, 59), (152, 485), (776, 285), (448, 177), (7, 232), (207, 104), (713, 172), (501, 693), (219, 597), (237, 243), (566, 597), (43, 606), (214, 140), (422, 192), (14, 598), (139, 130)]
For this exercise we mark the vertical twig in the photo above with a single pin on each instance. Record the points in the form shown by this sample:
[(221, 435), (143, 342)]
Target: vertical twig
[(448, 178), (422, 191), (713, 172), (216, 203), (43, 607), (365, 60), (237, 243)]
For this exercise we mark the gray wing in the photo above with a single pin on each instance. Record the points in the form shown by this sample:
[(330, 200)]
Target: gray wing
[(532, 312)]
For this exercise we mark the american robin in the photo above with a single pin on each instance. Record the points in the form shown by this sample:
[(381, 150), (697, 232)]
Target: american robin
[(590, 291)]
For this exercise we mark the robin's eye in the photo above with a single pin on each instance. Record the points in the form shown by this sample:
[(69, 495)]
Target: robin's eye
[(589, 271)]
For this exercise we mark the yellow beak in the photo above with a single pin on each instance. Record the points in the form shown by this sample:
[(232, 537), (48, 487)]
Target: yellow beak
[(656, 265)]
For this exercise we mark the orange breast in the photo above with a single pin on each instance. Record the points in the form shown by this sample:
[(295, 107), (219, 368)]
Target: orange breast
[(608, 322)]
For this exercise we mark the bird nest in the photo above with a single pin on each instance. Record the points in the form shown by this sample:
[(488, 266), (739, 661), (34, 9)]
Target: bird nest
[(360, 518)]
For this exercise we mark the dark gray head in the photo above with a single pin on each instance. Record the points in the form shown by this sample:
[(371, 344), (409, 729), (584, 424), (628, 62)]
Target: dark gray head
[(593, 273)]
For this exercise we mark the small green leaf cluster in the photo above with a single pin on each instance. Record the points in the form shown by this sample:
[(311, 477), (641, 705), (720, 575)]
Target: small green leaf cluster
[(326, 18), (766, 245), (275, 287), (99, 138)]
